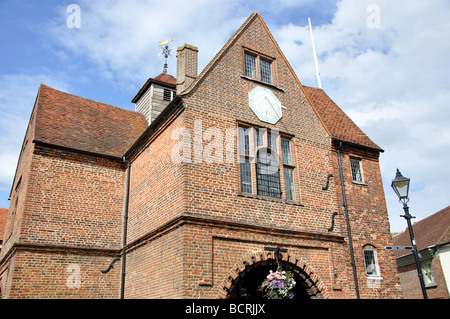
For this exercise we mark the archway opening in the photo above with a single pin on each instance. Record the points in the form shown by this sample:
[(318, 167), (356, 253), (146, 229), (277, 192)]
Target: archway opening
[(246, 286)]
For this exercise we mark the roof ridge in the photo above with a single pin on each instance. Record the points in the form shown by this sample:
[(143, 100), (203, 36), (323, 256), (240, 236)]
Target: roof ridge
[(84, 98), (432, 215)]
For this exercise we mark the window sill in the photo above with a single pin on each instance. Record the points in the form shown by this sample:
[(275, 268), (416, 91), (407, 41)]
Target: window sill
[(270, 199), (431, 286), (261, 82), (374, 278), (359, 183)]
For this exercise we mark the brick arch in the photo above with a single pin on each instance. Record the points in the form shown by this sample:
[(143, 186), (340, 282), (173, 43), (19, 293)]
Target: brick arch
[(314, 284)]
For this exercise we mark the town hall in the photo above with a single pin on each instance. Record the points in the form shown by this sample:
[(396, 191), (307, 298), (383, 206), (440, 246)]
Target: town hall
[(217, 178)]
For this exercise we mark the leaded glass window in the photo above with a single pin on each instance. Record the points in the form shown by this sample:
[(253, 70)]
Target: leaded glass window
[(267, 174), (370, 261), (266, 71), (357, 173), (286, 151), (289, 183), (244, 160), (250, 65)]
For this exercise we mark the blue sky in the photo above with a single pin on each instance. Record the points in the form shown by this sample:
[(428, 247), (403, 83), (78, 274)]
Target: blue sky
[(384, 62)]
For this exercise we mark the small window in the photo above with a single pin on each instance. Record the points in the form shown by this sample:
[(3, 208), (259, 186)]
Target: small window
[(244, 163), (266, 71), (250, 65), (357, 173), (289, 182), (427, 272), (286, 151), (371, 263), (259, 137), (287, 168), (253, 61), (272, 138), (246, 176), (244, 141)]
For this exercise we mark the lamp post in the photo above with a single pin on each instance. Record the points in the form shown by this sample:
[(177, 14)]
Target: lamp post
[(400, 184)]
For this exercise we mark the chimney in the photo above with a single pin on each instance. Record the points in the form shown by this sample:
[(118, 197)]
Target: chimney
[(186, 66)]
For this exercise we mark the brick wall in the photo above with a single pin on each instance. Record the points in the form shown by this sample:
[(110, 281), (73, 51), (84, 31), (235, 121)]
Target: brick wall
[(61, 274), (411, 284), (220, 225), (191, 231), (3, 222), (74, 206), (369, 222)]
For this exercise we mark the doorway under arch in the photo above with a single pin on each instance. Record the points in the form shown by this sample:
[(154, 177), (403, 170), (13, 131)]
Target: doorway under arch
[(246, 285)]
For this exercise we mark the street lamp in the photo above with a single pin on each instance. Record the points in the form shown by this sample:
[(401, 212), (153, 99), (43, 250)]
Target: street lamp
[(400, 184)]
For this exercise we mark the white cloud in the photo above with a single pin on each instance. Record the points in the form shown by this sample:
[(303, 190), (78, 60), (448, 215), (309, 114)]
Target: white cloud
[(393, 82), (121, 38), (17, 95)]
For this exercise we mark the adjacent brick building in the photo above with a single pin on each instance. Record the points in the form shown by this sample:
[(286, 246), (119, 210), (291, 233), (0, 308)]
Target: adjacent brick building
[(189, 196), (432, 235)]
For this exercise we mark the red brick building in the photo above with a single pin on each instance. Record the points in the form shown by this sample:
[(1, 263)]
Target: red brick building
[(189, 196), (432, 235)]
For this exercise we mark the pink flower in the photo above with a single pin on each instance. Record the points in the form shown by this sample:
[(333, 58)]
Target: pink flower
[(270, 277), (283, 277)]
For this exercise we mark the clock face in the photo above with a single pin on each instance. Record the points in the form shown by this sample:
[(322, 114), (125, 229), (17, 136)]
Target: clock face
[(265, 104)]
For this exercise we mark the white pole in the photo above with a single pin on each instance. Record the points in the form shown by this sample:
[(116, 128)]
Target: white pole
[(315, 55)]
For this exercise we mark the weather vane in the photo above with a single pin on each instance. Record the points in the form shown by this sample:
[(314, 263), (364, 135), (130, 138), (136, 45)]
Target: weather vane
[(164, 45)]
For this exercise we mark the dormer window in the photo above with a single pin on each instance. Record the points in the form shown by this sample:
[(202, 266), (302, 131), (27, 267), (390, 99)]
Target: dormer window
[(262, 73)]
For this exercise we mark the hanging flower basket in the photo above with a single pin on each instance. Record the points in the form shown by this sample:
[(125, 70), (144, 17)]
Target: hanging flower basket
[(279, 285)]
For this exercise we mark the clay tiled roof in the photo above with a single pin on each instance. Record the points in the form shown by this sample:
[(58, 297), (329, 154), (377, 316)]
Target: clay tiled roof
[(163, 79), (71, 121), (430, 231), (166, 79), (338, 124)]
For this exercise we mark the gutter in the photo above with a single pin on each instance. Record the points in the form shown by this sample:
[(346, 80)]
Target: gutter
[(336, 140), (125, 229), (76, 150)]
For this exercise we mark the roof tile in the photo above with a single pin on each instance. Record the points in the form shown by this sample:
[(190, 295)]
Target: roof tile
[(339, 125), (430, 231), (71, 121)]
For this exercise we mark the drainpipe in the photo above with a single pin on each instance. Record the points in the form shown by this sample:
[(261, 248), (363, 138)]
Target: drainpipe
[(125, 226), (347, 220)]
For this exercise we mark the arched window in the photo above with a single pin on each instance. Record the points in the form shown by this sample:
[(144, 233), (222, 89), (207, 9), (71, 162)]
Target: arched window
[(268, 173)]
